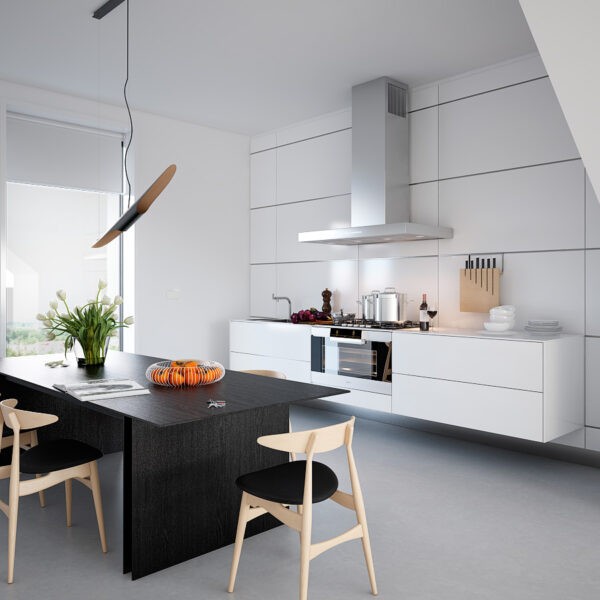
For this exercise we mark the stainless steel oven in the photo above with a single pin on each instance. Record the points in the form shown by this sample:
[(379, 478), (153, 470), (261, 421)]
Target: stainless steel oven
[(353, 358)]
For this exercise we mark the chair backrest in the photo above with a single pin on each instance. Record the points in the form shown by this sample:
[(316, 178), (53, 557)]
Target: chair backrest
[(18, 419), (266, 373), (311, 441)]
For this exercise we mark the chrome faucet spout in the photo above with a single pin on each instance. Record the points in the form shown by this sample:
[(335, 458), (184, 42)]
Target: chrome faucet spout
[(278, 298)]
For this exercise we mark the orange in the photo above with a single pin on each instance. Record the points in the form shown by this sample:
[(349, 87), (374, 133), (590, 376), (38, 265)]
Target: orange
[(175, 377), (190, 363), (191, 376)]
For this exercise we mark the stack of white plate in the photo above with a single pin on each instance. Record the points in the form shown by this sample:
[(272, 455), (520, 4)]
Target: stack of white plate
[(543, 326), (502, 318)]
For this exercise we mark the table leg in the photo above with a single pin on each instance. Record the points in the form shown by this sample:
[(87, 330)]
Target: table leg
[(127, 507)]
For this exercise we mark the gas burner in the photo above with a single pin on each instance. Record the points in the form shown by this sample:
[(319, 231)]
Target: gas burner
[(351, 322)]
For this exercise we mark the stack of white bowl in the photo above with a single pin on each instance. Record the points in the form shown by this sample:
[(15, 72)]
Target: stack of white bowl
[(502, 318)]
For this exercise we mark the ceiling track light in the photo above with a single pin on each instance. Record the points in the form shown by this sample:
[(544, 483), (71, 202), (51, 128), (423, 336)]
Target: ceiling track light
[(134, 212)]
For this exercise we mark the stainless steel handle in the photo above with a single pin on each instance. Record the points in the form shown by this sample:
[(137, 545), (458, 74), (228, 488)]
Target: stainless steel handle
[(348, 341)]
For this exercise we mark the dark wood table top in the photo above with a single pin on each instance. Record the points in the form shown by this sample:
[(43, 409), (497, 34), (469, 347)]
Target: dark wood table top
[(163, 406)]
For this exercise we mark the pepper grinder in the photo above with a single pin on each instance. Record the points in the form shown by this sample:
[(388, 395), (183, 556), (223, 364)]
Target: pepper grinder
[(326, 301)]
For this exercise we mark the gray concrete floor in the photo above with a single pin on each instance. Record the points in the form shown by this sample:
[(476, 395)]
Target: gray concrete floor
[(449, 520)]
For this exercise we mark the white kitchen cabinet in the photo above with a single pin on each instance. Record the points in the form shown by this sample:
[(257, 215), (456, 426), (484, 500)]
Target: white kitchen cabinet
[(592, 292), (486, 79), (263, 178), (523, 387), (315, 168), (264, 338), (313, 215), (263, 235), (511, 127), (423, 126), (592, 382), (592, 216), (538, 208), (295, 370), (272, 346)]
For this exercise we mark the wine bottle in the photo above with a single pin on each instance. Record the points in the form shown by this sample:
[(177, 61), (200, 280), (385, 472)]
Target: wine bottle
[(423, 316)]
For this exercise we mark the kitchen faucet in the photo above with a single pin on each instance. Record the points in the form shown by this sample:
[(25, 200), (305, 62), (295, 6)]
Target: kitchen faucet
[(278, 298)]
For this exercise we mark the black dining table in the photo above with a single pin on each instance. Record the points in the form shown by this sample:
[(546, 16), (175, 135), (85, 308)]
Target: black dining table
[(180, 456)]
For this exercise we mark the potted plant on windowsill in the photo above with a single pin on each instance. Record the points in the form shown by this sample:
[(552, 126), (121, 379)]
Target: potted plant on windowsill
[(86, 329)]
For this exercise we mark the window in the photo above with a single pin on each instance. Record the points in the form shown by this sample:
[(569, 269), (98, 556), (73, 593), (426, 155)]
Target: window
[(63, 192)]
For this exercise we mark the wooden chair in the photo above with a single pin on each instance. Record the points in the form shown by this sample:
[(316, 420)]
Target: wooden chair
[(60, 460), (28, 439), (266, 373), (303, 483)]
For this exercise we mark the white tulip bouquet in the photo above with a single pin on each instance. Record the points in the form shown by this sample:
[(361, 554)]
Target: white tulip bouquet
[(91, 325)]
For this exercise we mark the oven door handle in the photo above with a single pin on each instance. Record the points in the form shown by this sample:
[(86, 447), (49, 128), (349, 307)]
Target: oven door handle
[(347, 341)]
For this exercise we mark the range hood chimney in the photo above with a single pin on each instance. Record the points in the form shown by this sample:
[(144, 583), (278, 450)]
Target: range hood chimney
[(380, 203)]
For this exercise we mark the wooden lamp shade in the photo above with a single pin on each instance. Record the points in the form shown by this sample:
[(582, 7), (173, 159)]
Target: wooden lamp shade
[(136, 210)]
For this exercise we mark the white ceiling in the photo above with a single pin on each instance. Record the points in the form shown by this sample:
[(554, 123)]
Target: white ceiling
[(251, 65)]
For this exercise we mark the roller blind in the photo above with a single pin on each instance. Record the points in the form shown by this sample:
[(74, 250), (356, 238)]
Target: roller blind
[(48, 153)]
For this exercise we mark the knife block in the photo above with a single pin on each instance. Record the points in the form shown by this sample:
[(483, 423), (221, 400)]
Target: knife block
[(479, 289)]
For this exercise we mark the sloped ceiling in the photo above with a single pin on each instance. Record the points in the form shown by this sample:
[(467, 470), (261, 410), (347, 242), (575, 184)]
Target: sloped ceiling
[(251, 65), (567, 35)]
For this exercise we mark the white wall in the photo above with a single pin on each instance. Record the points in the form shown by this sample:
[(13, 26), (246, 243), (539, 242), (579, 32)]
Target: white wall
[(491, 157), (566, 34), (192, 248), (193, 239)]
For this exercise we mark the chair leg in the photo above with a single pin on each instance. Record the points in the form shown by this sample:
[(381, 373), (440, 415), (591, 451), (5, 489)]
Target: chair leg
[(239, 540), (69, 499), (95, 481), (305, 536), (361, 516), (42, 496), (13, 512)]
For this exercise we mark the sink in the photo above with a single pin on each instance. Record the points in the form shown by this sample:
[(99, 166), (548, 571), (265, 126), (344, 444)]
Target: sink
[(269, 319)]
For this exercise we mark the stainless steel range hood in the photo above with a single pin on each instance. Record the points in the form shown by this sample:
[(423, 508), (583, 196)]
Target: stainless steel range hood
[(380, 203)]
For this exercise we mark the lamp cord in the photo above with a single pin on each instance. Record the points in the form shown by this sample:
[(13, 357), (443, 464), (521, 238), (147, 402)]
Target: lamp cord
[(129, 114)]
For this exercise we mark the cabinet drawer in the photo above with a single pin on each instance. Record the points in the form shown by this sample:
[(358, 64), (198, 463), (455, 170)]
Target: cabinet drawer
[(503, 363), (515, 413), (281, 340), (294, 370)]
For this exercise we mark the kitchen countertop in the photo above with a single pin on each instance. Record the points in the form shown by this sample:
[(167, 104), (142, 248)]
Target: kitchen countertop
[(515, 334)]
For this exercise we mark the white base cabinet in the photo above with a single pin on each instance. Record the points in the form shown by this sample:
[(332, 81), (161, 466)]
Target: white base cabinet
[(270, 346), (523, 387)]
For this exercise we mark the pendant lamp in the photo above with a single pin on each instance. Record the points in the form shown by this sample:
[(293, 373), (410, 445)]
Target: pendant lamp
[(135, 211)]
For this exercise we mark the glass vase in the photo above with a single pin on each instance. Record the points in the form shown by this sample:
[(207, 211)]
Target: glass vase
[(91, 355)]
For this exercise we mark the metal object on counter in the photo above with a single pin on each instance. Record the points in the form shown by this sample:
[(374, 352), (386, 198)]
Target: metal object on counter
[(366, 305), (278, 298), (389, 306)]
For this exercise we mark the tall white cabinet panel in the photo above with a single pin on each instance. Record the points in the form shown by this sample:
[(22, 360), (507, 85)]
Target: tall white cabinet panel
[(511, 127), (315, 168), (335, 121), (423, 145), (312, 215), (483, 80), (263, 284), (538, 208), (592, 382), (592, 292), (592, 216), (263, 178), (263, 235)]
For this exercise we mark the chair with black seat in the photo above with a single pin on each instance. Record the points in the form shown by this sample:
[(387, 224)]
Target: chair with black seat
[(28, 439), (58, 460), (303, 483)]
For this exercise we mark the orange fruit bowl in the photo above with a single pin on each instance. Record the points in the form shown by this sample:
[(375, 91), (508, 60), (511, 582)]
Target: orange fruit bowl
[(185, 373)]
